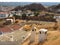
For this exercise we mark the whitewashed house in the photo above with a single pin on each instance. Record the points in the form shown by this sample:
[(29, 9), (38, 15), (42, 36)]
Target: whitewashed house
[(33, 33), (29, 13), (5, 15), (11, 20), (13, 12), (42, 35), (19, 13), (57, 17)]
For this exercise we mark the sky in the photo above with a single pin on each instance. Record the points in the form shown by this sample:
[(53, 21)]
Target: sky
[(29, 0), (26, 3)]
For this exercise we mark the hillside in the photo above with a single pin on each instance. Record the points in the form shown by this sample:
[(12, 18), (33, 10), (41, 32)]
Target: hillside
[(6, 8), (54, 8), (33, 6)]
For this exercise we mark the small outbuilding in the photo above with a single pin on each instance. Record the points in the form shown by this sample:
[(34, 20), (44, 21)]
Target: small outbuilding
[(33, 33), (42, 35)]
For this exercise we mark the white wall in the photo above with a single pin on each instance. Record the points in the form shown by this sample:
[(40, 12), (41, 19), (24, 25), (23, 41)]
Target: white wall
[(42, 35), (3, 15), (32, 37)]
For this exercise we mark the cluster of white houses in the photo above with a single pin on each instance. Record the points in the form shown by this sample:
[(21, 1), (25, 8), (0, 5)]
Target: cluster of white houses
[(27, 12), (57, 17), (5, 15), (19, 13), (8, 15)]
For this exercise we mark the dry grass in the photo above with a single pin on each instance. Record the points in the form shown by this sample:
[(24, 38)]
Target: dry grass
[(27, 27), (52, 39)]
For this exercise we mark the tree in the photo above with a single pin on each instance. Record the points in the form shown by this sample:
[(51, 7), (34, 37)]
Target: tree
[(36, 13), (16, 16), (23, 16)]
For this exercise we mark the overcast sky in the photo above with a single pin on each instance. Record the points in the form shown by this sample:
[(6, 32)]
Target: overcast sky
[(25, 3)]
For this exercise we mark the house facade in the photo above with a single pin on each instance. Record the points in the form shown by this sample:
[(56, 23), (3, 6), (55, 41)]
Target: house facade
[(57, 17), (5, 15)]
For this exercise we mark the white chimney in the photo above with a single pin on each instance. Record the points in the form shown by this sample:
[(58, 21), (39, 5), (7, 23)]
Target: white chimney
[(33, 33), (42, 35)]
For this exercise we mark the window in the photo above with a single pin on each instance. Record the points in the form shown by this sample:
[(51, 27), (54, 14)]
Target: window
[(32, 29), (2, 15), (40, 32), (45, 32)]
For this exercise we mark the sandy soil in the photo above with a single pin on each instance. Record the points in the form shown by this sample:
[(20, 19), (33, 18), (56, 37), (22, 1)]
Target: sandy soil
[(53, 38)]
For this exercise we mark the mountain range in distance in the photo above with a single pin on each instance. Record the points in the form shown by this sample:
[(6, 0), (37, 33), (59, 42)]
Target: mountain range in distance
[(11, 6), (27, 3)]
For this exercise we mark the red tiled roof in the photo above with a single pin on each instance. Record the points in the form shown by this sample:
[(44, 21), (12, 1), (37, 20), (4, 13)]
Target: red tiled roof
[(8, 29), (5, 29), (4, 12), (15, 27)]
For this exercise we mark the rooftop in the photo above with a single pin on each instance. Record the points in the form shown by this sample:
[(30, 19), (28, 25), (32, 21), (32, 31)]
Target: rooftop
[(9, 28)]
